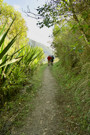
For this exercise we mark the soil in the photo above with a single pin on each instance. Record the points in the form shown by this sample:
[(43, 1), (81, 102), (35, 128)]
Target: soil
[(46, 117)]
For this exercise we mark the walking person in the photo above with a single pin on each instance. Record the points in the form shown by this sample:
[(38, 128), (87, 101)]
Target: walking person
[(52, 59), (49, 60)]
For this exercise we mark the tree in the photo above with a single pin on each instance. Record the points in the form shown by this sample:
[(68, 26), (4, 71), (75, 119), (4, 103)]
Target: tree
[(57, 11), (7, 14)]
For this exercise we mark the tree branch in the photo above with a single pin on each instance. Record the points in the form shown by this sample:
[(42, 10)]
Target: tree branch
[(31, 14)]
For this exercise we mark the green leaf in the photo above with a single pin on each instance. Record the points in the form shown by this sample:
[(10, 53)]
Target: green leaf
[(7, 47), (17, 51), (3, 29), (5, 34), (10, 62), (4, 60)]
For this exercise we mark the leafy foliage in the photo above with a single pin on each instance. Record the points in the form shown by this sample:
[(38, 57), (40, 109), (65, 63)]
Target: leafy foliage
[(16, 62), (74, 89), (62, 11), (8, 13), (70, 19)]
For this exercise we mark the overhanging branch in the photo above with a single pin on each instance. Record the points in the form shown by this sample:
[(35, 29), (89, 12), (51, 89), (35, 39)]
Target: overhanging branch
[(31, 14)]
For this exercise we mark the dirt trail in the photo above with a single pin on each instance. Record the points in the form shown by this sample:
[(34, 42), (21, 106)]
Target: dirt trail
[(45, 118)]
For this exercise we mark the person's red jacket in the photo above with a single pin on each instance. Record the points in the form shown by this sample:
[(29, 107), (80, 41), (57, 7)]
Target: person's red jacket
[(49, 58)]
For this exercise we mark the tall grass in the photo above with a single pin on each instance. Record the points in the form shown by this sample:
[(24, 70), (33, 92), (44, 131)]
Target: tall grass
[(75, 90), (15, 67), (73, 70)]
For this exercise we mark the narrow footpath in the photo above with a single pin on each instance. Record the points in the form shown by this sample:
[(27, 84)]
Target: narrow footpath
[(45, 118)]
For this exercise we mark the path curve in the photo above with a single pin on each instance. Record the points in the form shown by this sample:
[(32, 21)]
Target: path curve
[(45, 118)]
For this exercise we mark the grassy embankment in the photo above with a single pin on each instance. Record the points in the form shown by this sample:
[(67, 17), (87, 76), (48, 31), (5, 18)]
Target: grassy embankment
[(74, 90), (16, 110)]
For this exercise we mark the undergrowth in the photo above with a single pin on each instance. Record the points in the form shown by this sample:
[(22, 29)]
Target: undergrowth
[(14, 112), (75, 90)]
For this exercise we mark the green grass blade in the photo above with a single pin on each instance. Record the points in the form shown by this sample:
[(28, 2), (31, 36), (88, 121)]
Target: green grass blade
[(7, 47), (10, 62), (19, 50), (1, 49), (2, 29), (4, 60), (5, 34)]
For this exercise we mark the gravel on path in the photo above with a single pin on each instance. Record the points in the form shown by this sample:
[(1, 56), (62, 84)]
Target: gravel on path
[(45, 118)]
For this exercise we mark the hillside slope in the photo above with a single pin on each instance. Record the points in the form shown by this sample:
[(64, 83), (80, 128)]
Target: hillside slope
[(47, 50)]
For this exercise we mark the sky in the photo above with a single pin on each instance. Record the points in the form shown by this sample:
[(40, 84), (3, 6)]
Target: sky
[(34, 32)]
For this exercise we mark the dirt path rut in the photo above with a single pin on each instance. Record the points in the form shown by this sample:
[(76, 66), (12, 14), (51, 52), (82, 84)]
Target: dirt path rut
[(45, 118)]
